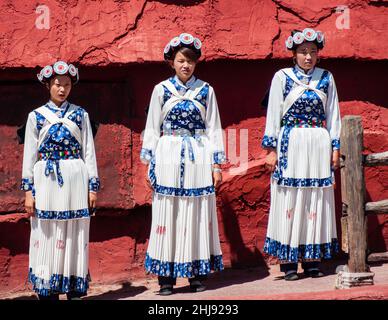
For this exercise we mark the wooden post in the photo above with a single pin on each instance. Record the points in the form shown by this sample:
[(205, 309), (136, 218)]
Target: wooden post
[(356, 273), (351, 148)]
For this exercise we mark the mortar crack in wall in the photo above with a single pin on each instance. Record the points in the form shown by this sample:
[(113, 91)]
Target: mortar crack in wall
[(121, 36)]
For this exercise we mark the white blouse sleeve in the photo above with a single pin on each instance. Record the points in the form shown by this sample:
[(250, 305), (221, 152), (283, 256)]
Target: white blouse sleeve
[(274, 111), (152, 130), (30, 154), (333, 117), (214, 128), (89, 154)]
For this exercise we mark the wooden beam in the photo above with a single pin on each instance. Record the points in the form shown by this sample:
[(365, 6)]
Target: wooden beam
[(377, 207), (378, 257), (376, 159), (353, 192)]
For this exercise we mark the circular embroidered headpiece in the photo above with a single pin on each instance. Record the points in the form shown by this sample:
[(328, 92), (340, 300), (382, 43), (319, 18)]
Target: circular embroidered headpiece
[(58, 68), (183, 40), (308, 34)]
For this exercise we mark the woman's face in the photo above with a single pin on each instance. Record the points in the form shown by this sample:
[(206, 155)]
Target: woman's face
[(306, 55), (183, 66), (59, 87)]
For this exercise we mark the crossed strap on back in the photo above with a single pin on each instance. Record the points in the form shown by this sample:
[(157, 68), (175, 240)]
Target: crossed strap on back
[(53, 119), (297, 91)]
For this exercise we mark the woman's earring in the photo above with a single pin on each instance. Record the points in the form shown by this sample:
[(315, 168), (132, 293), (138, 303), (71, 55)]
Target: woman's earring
[(294, 60), (318, 60)]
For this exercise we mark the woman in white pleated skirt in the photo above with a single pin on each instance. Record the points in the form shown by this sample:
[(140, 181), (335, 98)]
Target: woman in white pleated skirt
[(302, 135), (183, 146), (60, 180)]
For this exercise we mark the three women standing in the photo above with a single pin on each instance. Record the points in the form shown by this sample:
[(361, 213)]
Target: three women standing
[(183, 145), (302, 134)]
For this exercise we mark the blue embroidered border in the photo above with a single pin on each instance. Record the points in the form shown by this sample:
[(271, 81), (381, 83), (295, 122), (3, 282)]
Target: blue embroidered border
[(94, 184), (180, 192), (62, 215), (304, 182), (293, 254), (26, 184), (183, 270), (146, 155), (58, 284), (269, 142), (335, 143), (219, 157)]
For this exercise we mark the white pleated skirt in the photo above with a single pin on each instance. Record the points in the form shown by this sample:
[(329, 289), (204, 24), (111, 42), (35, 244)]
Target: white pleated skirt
[(184, 239), (68, 201), (302, 223), (59, 256), (194, 173), (59, 241), (308, 154)]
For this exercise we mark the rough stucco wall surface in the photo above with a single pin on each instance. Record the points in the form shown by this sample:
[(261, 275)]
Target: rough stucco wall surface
[(118, 47)]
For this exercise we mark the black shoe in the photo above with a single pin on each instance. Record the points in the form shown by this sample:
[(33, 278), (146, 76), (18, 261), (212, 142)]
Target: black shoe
[(51, 297), (74, 295), (165, 290), (197, 286), (292, 276), (313, 273)]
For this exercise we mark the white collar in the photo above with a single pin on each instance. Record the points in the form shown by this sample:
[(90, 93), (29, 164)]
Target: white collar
[(54, 106), (303, 73), (188, 84)]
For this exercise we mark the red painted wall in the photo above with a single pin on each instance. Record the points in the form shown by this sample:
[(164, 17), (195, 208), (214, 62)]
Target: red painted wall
[(118, 46)]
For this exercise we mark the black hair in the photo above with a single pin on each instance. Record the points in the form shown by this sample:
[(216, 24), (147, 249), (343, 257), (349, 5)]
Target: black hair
[(188, 53)]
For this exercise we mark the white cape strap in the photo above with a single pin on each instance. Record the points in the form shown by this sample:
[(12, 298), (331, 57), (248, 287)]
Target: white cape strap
[(297, 91), (52, 118), (190, 94)]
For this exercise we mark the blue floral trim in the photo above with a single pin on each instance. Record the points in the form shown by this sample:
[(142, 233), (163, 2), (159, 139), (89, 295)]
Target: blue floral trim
[(335, 143), (283, 158), (186, 143), (49, 169), (94, 184), (58, 284), (201, 97), (183, 270), (146, 154), (304, 182), (151, 173), (27, 184), (292, 254), (219, 157), (62, 215), (269, 142), (178, 192), (181, 192)]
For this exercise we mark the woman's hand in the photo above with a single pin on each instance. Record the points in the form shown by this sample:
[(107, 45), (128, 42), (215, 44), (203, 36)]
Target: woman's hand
[(29, 204), (148, 182), (335, 162), (217, 175), (92, 200), (271, 160)]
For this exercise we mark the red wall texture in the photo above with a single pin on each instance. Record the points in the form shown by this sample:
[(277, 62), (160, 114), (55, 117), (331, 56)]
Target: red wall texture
[(118, 48)]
